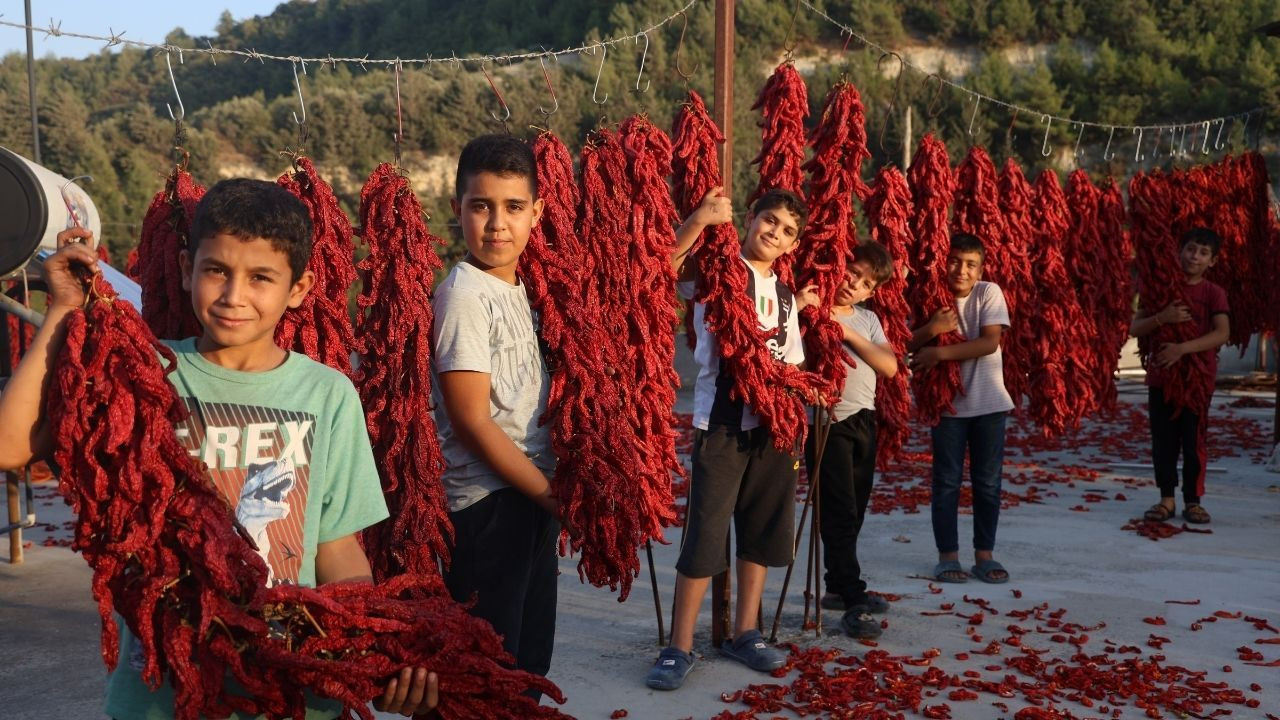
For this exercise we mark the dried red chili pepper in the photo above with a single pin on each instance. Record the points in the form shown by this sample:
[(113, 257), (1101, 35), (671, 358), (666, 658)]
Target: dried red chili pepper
[(393, 331)]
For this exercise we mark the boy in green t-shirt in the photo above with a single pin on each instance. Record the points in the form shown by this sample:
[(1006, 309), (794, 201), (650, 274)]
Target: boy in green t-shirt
[(284, 436)]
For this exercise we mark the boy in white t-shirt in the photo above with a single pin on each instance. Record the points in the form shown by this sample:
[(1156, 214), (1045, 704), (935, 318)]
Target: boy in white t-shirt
[(737, 474), (978, 420), (849, 460)]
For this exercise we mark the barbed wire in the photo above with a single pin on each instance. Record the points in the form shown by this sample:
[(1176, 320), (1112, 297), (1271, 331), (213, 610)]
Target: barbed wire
[(112, 39), (1050, 118)]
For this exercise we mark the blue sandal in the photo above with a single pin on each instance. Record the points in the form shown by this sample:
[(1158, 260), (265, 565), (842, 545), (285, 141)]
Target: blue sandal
[(986, 572), (950, 566)]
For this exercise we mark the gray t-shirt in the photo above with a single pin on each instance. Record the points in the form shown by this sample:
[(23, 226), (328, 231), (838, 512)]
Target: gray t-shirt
[(483, 324), (859, 392), (984, 391)]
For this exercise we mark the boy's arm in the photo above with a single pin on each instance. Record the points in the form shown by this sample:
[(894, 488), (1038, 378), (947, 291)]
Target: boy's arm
[(987, 342), (1144, 324), (23, 433), (715, 209), (943, 321), (1170, 353), (878, 357), (415, 690), (466, 400)]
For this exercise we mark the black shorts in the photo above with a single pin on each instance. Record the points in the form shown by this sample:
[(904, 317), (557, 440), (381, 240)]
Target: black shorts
[(739, 475)]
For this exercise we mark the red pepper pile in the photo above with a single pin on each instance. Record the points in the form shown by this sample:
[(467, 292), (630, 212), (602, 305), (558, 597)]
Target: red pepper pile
[(167, 556), (932, 190), (1060, 385), (839, 145), (888, 209), (1012, 273), (784, 105), (394, 378), (774, 390), (1113, 307), (321, 326), (165, 305), (614, 486)]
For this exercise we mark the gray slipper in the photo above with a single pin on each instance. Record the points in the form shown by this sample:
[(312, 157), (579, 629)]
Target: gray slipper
[(950, 566), (986, 572)]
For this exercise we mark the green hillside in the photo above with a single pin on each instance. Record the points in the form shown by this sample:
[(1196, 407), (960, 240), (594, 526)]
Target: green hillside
[(1111, 62)]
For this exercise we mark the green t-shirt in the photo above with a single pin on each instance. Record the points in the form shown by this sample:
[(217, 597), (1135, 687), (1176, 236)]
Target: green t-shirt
[(289, 449)]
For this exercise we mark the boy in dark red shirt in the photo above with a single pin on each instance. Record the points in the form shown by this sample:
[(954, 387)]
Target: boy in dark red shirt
[(1176, 429)]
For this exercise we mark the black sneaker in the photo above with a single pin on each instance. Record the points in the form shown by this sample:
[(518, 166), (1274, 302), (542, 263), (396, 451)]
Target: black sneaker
[(873, 604), (860, 625)]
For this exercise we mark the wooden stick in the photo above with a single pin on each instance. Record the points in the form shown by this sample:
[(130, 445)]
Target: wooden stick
[(657, 601), (820, 442)]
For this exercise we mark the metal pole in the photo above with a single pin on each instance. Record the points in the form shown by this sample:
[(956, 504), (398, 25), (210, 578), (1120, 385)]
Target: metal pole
[(722, 113), (31, 89)]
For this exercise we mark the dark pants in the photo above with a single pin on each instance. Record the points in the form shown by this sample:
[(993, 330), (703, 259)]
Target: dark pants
[(739, 476), (504, 553), (1171, 436), (844, 488), (983, 436)]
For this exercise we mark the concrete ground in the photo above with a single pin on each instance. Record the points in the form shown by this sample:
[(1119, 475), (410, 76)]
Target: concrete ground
[(1061, 536)]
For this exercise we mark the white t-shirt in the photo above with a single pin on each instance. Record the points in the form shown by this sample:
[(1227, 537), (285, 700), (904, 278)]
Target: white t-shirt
[(484, 324), (983, 377), (859, 391), (775, 310)]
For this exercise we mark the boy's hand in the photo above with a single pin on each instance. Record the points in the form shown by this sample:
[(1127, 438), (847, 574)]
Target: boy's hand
[(715, 209), (926, 358), (943, 321), (66, 289), (1169, 354), (415, 691), (807, 297), (1174, 312)]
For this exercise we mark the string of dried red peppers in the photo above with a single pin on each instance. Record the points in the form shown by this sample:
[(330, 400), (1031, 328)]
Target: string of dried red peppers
[(166, 307), (394, 378), (169, 558), (784, 107), (321, 326), (1012, 273)]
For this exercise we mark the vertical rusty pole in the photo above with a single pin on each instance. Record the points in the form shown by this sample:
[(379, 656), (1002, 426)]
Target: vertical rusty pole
[(722, 113), (15, 515)]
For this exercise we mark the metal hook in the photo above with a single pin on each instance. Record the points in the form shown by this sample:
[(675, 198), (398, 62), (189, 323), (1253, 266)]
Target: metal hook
[(1008, 134), (1075, 154), (1045, 150), (897, 91), (1244, 133), (298, 85), (399, 66), (1204, 145), (484, 68), (1106, 152), (680, 48), (643, 57), (604, 50), (977, 100), (1182, 143), (1137, 151), (788, 47), (1217, 140), (546, 76), (934, 111), (1155, 150), (182, 109)]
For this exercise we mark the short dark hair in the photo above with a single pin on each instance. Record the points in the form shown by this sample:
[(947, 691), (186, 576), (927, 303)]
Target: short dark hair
[(779, 198), (251, 209), (964, 242), (876, 256), (1202, 236), (503, 155)]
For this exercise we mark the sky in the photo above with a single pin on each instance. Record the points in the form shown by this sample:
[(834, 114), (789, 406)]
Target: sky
[(143, 20)]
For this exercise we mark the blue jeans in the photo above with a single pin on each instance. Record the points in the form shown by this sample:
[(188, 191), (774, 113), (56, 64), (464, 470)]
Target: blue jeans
[(984, 437)]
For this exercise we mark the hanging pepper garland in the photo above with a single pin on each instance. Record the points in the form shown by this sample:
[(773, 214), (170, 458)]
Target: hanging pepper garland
[(169, 558), (774, 390), (157, 268), (888, 210), (932, 190), (321, 326), (1115, 292), (394, 378), (1013, 274), (839, 145), (784, 106), (1082, 253), (1059, 381)]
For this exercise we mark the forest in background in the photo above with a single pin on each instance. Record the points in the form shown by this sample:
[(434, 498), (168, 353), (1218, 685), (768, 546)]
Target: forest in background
[(1128, 62)]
